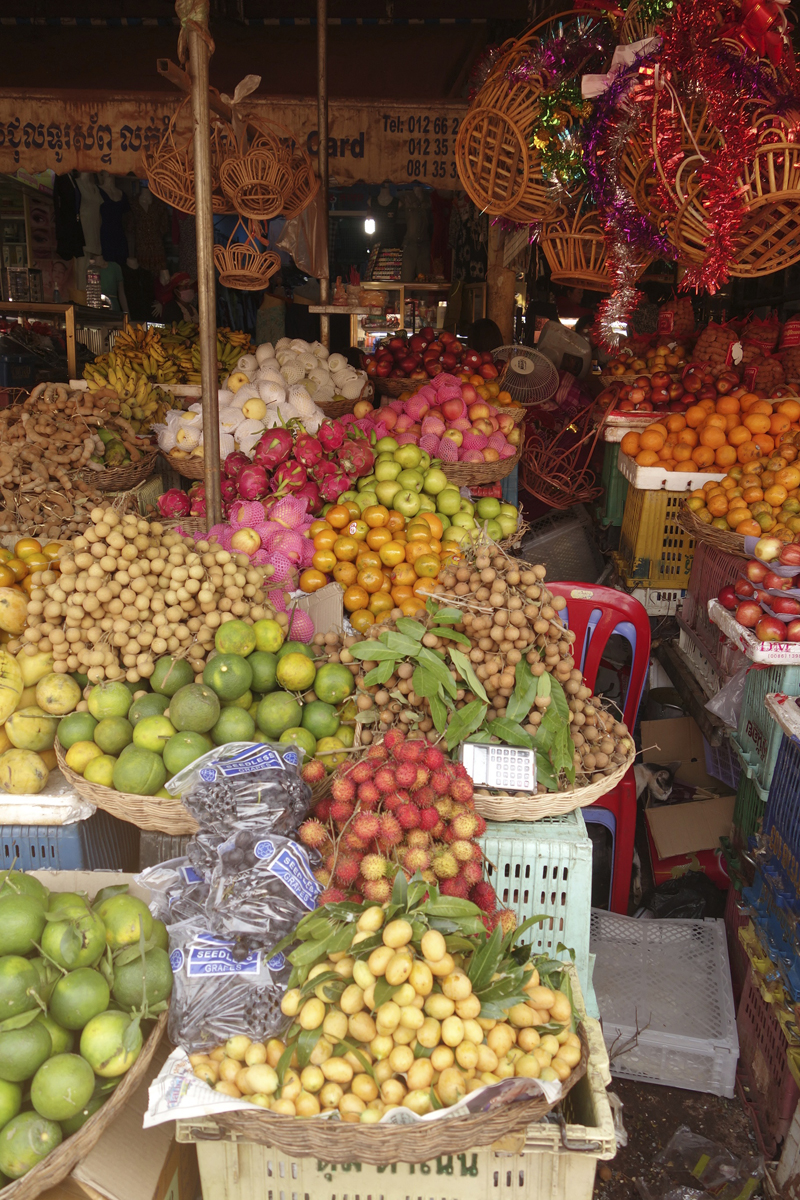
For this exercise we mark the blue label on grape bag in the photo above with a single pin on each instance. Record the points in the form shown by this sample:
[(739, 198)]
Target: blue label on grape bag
[(265, 759), (209, 955), (208, 774), (176, 960), (277, 962), (264, 849), (291, 757), (291, 865)]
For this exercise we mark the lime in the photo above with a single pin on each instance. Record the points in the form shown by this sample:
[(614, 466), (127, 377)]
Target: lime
[(185, 748), (234, 725), (346, 735), (22, 1052), (161, 935), (229, 675), (139, 772), (25, 1141), (296, 672), (17, 976), (235, 637), (77, 727), (80, 754), (101, 770), (264, 666), (10, 1101), (113, 734), (296, 648), (74, 1123), (151, 705), (276, 712), (269, 635), (62, 1087), (170, 674), (320, 719), (62, 1039), (195, 707), (22, 921), (77, 942), (330, 760), (333, 683), (125, 917), (81, 679), (109, 699), (143, 982), (19, 884), (300, 737), (245, 701), (79, 996), (103, 1047), (67, 900), (153, 733), (47, 973)]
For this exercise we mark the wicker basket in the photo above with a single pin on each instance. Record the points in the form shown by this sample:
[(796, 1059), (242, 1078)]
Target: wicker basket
[(189, 468), (574, 245), (256, 184), (122, 479), (635, 25), (192, 526), (396, 387), (467, 474), (148, 812), (243, 264), (492, 152), (338, 1142), (337, 408), (169, 167), (504, 807), (305, 185), (730, 542), (56, 1167)]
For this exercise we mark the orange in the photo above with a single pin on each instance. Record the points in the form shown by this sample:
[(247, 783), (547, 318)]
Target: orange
[(670, 465), (324, 560), (51, 551), (666, 451), (675, 423), (647, 458), (789, 477), (756, 422), (708, 405), (325, 539), (731, 421), (312, 581), (747, 452), (19, 568), (353, 509), (735, 516), (381, 602), (27, 546), (368, 558), (436, 546), (717, 419), (752, 494), (378, 537), (391, 553), (727, 405), (424, 587), (418, 531), (747, 400), (435, 522), (427, 566), (652, 439), (695, 416), (386, 584), (28, 584), (400, 593), (357, 529), (7, 577), (775, 495), (779, 423), (376, 515), (749, 528), (370, 579), (396, 521), (725, 456), (630, 444), (404, 575), (761, 406), (702, 456), (5, 555), (345, 573), (361, 619), (682, 453), (712, 436), (355, 597), (346, 548), (413, 605), (765, 443), (738, 435), (339, 516), (36, 561), (688, 437), (717, 505), (317, 527), (415, 550), (790, 408)]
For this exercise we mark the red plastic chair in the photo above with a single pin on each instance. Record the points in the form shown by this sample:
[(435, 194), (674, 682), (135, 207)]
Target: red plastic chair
[(595, 613)]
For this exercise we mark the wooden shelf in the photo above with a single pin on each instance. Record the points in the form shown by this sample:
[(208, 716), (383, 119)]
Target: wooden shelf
[(333, 309)]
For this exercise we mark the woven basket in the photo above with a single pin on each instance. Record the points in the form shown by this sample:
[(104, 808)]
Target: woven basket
[(243, 264), (122, 479), (56, 1167), (396, 387), (256, 184), (466, 474), (338, 1142), (157, 813), (500, 806), (305, 185), (492, 152), (190, 525), (635, 25), (169, 167), (730, 542), (574, 245), (189, 468), (337, 408)]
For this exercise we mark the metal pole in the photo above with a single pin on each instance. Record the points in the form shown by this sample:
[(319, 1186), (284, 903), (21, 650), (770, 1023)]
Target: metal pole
[(322, 124), (199, 55)]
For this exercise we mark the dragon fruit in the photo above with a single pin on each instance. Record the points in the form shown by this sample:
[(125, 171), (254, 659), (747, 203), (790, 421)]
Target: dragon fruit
[(272, 448), (332, 487), (289, 475), (228, 490), (174, 504), (356, 457), (252, 482), (324, 468), (308, 450), (331, 435), (197, 498), (310, 492), (234, 463)]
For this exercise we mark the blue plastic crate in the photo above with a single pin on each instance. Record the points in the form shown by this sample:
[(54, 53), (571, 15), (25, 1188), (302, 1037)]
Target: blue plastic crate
[(774, 909), (100, 843), (723, 762), (758, 738), (782, 815), (155, 848)]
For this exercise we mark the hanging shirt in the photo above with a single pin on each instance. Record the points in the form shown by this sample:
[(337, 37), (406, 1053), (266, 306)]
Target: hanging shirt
[(110, 279), (113, 241)]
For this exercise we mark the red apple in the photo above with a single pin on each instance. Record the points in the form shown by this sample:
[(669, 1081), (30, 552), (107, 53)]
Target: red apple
[(479, 409), (639, 393), (676, 390), (487, 356), (449, 361), (790, 554), (383, 369), (744, 588), (472, 358), (408, 364), (396, 343), (514, 436), (677, 406), (389, 416), (488, 370), (726, 382), (776, 582), (767, 549), (707, 392), (770, 629), (483, 425), (692, 382), (755, 571), (793, 631), (785, 604), (727, 598), (643, 406), (659, 395), (446, 337), (763, 597), (626, 406), (418, 373), (433, 368), (428, 333), (505, 422), (660, 379), (468, 394), (452, 409), (749, 614)]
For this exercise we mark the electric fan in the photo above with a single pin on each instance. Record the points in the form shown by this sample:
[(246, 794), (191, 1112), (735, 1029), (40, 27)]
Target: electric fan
[(528, 377)]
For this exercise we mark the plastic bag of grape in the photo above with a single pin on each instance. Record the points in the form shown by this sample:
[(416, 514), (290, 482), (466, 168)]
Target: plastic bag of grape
[(245, 779), (177, 890)]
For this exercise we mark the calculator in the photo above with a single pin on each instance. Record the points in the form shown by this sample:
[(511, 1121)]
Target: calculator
[(507, 767)]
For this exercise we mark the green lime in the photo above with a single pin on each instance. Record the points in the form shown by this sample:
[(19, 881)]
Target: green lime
[(153, 733), (67, 900), (184, 748), (346, 735), (170, 674), (234, 725), (77, 727), (109, 699), (296, 648), (17, 883), (77, 942), (62, 1039), (154, 704), (320, 719), (22, 921), (229, 675), (333, 683), (22, 1052), (113, 734), (245, 701), (75, 1123), (101, 770), (139, 772), (125, 918), (77, 997), (296, 672), (265, 671), (62, 1087), (276, 712), (194, 707), (235, 637), (300, 737), (10, 1101), (102, 1044), (25, 1141), (326, 751), (17, 976), (147, 982), (269, 635), (160, 934)]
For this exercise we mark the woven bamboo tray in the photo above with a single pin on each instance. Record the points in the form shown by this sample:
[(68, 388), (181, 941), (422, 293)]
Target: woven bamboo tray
[(340, 1142), (156, 813), (465, 474), (57, 1166), (731, 543), (123, 479), (504, 807), (189, 468), (396, 387), (337, 408), (190, 525)]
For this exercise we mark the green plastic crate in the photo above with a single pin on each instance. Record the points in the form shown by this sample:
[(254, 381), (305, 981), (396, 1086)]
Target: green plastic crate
[(748, 811), (758, 737), (611, 507)]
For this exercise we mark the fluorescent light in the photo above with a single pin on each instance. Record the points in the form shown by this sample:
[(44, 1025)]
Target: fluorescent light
[(570, 322), (369, 226)]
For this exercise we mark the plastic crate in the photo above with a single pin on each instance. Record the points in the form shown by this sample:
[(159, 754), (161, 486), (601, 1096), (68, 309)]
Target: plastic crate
[(787, 1173), (671, 981), (101, 842), (660, 602), (712, 569), (564, 543), (782, 814), (654, 550), (758, 738), (545, 868), (768, 1084), (702, 664), (155, 848), (723, 762), (735, 919), (748, 812), (611, 507)]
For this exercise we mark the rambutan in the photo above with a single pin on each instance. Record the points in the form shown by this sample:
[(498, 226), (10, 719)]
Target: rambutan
[(322, 809), (405, 774), (425, 797), (423, 775), (391, 831), (472, 872), (385, 780), (329, 862), (429, 876), (418, 838), (355, 843), (342, 811), (464, 825), (377, 752), (411, 751), (313, 772), (444, 806), (461, 771), (433, 758), (393, 802), (331, 895), (440, 782), (438, 829), (428, 818), (462, 851), (393, 738), (444, 865), (377, 890), (408, 816), (313, 833), (361, 772), (507, 919), (366, 826), (483, 895), (461, 790), (415, 860), (343, 788), (454, 887), (347, 868), (322, 876), (373, 866), (481, 830), (368, 794)]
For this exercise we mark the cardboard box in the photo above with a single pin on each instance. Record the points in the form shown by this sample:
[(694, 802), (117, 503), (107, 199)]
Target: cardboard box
[(689, 828), (679, 740)]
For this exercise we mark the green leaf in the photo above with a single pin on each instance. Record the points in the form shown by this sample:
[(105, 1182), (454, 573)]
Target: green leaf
[(510, 732), (285, 1059), (311, 985), (486, 960), (467, 673), (457, 944), (450, 906), (350, 1048), (439, 670), (306, 1042), (365, 947), (525, 692), (115, 889), (367, 718), (465, 721), (422, 1051), (448, 616), (375, 651), (513, 937), (401, 645), (306, 954), (383, 990), (130, 1036), (438, 713), (425, 683), (400, 890), (453, 635), (545, 773), (414, 629), (20, 1020), (70, 943), (434, 1099), (379, 674)]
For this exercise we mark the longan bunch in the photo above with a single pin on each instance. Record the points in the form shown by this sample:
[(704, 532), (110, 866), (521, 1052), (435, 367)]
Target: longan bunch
[(429, 1040)]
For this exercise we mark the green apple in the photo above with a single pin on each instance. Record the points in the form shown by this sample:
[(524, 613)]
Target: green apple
[(386, 490), (507, 524), (366, 499), (407, 503), (435, 482), (408, 455), (411, 479), (488, 508), (348, 496), (387, 469), (455, 534), (445, 520), (426, 504), (366, 483), (464, 521), (386, 445), (494, 530), (467, 506), (425, 460), (508, 510), (449, 501)]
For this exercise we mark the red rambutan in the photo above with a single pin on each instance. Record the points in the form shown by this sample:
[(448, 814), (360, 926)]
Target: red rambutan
[(347, 867), (322, 809), (438, 829), (428, 818), (461, 790), (415, 859), (361, 772), (461, 771), (393, 738), (472, 872), (342, 811), (331, 895), (483, 895), (373, 866), (354, 843), (507, 919), (368, 794), (433, 758), (377, 752), (444, 806), (405, 774), (377, 890), (418, 838), (464, 825), (411, 751), (423, 775), (462, 851), (385, 780), (408, 816), (366, 826), (454, 887), (343, 788), (312, 833), (393, 802), (313, 772), (391, 831), (425, 797), (440, 782), (481, 830), (322, 876)]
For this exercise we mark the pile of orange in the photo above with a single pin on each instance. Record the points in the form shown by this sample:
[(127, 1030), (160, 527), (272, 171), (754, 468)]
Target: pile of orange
[(19, 566), (381, 560), (713, 435), (761, 496)]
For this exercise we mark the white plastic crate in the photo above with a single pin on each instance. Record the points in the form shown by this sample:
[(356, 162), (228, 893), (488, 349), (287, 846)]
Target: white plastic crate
[(654, 479), (545, 868), (660, 602), (701, 664), (778, 654), (671, 979)]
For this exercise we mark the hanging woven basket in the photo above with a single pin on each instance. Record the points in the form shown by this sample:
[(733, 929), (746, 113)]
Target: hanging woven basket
[(305, 185), (274, 139), (574, 245), (255, 184), (169, 167), (243, 264)]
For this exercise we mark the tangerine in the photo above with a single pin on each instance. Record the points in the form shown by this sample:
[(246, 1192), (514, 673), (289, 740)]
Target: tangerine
[(379, 536), (749, 528), (756, 422), (414, 550), (728, 405), (324, 560), (345, 573), (370, 579), (747, 451), (765, 443), (325, 538), (317, 527), (647, 458), (682, 452), (370, 559), (404, 575), (376, 515), (412, 606), (427, 566), (779, 423), (391, 553), (355, 597), (711, 436), (396, 521), (380, 602), (418, 531), (725, 456), (312, 580), (652, 440), (399, 594), (358, 530), (340, 515), (717, 419), (688, 437), (790, 408), (7, 577), (435, 522), (425, 586), (630, 444), (775, 495), (695, 416), (702, 456), (675, 423), (346, 548), (27, 546), (361, 619)]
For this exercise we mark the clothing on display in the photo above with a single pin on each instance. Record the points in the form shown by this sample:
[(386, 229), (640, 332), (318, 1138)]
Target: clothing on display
[(441, 208), (385, 206), (469, 237), (112, 231), (139, 290), (91, 200), (187, 247), (67, 216), (112, 284), (149, 224)]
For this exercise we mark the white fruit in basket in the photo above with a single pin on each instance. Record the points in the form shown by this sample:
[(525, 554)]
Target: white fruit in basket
[(324, 393), (247, 363), (166, 437), (351, 389), (255, 409), (246, 441), (336, 362), (227, 445), (307, 361), (231, 418), (238, 402), (271, 392), (224, 397), (298, 344), (248, 428), (292, 372), (264, 352), (187, 438), (318, 350), (282, 344), (269, 374)]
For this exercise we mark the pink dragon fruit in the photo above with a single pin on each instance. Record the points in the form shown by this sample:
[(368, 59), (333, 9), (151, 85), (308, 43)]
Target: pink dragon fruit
[(272, 448), (289, 476), (288, 543), (326, 467), (308, 450), (289, 511), (356, 458), (332, 487), (428, 442), (228, 491), (197, 497), (310, 492), (331, 435), (301, 627), (247, 514), (174, 504), (253, 482), (234, 463)]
